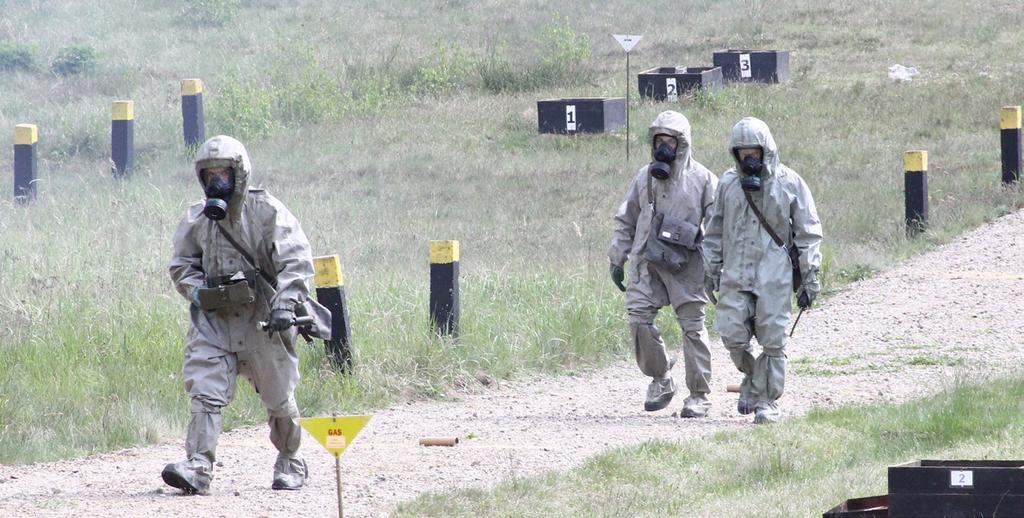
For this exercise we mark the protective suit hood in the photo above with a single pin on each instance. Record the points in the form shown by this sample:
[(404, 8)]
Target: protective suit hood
[(751, 132), (225, 151), (676, 125)]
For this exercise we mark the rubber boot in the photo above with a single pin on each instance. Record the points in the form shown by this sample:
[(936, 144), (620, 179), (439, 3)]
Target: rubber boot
[(659, 393), (697, 405), (191, 476), (289, 474)]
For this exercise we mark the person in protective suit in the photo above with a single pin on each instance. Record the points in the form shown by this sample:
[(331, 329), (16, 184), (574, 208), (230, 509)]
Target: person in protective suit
[(763, 218), (659, 228), (241, 257)]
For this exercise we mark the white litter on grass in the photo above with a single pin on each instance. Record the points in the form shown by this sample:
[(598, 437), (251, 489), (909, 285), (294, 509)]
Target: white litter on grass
[(901, 73)]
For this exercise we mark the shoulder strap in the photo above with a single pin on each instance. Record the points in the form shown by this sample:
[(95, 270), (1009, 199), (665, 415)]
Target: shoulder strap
[(246, 255), (650, 191), (760, 217)]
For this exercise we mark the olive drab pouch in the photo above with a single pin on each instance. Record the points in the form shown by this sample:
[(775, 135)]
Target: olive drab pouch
[(672, 241), (678, 232), (233, 291)]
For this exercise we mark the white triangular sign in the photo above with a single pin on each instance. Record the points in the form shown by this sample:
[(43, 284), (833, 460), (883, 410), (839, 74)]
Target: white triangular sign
[(628, 41)]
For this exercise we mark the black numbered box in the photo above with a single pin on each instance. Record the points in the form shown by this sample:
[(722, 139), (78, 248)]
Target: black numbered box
[(759, 66), (957, 488), (866, 507), (668, 83), (583, 115)]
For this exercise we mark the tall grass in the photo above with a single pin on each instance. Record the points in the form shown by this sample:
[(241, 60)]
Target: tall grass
[(414, 121)]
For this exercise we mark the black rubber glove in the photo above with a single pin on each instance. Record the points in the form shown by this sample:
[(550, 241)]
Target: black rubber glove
[(618, 275), (280, 319), (804, 300)]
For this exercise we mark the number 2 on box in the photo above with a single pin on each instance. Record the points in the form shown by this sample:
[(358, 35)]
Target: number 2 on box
[(961, 479)]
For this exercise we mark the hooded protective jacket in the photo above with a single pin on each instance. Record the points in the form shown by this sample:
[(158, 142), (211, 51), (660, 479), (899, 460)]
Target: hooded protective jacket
[(735, 244), (267, 231), (686, 194)]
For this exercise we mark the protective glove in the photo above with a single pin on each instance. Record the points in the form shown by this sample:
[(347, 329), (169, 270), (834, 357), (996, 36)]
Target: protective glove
[(618, 275), (280, 319), (809, 290), (711, 284), (194, 297)]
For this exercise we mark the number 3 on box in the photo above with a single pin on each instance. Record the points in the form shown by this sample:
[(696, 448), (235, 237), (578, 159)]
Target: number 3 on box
[(744, 65)]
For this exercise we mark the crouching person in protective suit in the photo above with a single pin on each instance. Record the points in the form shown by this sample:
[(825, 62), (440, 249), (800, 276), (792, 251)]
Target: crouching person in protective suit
[(240, 257), (659, 229), (762, 222)]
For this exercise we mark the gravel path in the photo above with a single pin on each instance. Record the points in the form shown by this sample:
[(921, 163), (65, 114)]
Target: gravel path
[(900, 335)]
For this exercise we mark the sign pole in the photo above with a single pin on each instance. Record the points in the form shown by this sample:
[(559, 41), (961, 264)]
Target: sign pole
[(337, 472), (335, 433), (627, 41)]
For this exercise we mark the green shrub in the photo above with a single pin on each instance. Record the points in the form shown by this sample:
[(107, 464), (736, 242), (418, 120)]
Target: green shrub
[(451, 66), (308, 95), (370, 93), (561, 45), (16, 57), (212, 12), (244, 110), (561, 59), (74, 60)]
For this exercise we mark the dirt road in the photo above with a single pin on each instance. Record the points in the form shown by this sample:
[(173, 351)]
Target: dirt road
[(900, 335)]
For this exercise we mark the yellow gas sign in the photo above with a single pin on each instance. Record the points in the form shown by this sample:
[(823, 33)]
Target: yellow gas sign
[(335, 432)]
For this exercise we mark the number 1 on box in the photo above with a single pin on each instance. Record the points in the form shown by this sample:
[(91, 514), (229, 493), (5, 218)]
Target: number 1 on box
[(570, 117)]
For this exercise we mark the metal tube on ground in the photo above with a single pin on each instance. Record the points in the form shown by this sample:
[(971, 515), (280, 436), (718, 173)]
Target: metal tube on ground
[(439, 441)]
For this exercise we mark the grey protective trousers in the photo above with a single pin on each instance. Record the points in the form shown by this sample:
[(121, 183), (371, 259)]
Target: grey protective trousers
[(740, 315), (210, 375), (651, 288)]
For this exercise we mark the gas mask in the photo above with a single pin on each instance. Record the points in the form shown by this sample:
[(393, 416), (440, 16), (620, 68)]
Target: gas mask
[(664, 155), (218, 192), (752, 168)]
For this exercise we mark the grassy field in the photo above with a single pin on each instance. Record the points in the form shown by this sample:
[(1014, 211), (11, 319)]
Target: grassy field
[(383, 126), (801, 467)]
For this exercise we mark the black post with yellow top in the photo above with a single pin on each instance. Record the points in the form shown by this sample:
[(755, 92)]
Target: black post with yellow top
[(26, 137), (122, 137), (444, 287), (330, 293), (1009, 136), (193, 123), (915, 163)]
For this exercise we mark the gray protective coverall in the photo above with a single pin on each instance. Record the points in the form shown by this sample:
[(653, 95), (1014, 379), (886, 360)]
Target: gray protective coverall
[(687, 194), (224, 343), (753, 274)]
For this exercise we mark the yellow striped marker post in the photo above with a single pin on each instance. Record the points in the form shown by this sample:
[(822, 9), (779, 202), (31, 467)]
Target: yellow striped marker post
[(122, 137), (915, 189), (26, 137), (444, 287), (330, 292), (193, 123), (1009, 136)]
